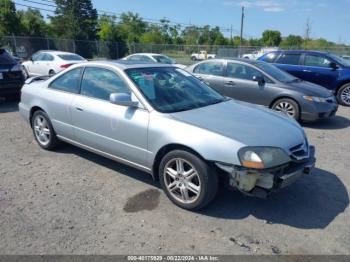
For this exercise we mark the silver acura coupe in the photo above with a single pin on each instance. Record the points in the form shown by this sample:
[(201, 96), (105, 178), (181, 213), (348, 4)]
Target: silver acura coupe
[(164, 121)]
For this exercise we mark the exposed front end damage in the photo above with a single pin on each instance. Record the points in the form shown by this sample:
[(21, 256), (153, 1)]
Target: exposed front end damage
[(260, 183)]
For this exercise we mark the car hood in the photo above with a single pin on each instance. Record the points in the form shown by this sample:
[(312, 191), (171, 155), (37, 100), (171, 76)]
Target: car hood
[(245, 123), (310, 89)]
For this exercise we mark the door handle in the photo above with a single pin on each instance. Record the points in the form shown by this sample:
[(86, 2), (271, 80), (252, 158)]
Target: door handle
[(79, 109), (230, 83), (200, 78), (306, 71)]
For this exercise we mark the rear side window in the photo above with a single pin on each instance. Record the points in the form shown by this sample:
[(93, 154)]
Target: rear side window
[(289, 59), (68, 82), (317, 61), (71, 57), (100, 83), (210, 68), (6, 58), (270, 58)]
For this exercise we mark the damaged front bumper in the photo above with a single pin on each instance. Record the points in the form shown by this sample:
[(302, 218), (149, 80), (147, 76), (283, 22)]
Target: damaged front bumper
[(260, 183)]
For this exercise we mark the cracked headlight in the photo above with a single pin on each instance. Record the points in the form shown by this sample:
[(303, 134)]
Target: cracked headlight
[(262, 157)]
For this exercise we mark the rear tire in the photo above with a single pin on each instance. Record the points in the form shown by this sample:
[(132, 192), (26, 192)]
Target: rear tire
[(187, 180), (287, 106), (343, 95), (43, 131)]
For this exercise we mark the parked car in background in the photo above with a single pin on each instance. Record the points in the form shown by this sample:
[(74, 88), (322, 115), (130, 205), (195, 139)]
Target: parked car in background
[(257, 54), (346, 57), (202, 55), (322, 68), (153, 58), (11, 76), (264, 84), (50, 62), (164, 121)]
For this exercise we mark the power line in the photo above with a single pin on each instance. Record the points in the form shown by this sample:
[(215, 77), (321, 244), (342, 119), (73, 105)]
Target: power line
[(115, 15)]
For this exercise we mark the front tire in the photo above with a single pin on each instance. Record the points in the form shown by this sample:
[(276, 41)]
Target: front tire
[(43, 131), (187, 180), (343, 95), (287, 106)]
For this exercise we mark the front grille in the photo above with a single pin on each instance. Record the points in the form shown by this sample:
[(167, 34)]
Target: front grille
[(300, 151)]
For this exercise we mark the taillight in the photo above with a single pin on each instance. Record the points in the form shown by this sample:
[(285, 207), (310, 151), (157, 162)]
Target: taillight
[(65, 66)]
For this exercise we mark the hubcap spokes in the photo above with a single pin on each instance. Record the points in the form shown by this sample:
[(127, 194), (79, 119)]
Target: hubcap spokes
[(285, 108), (182, 180), (345, 95), (42, 131)]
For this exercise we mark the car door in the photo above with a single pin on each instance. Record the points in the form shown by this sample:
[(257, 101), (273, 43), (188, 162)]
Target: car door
[(290, 62), (59, 97), (239, 84), (211, 73), (113, 129), (36, 64), (46, 64), (317, 69)]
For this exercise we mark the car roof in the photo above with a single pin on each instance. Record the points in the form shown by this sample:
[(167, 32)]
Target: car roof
[(299, 51), (241, 60), (125, 64), (150, 54), (56, 52)]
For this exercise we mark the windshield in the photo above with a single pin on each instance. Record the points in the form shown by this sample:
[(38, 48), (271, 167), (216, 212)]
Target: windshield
[(340, 60), (6, 58), (163, 59), (276, 73), (171, 90), (71, 57)]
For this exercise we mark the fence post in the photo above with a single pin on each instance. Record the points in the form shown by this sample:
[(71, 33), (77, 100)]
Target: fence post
[(48, 43), (117, 50), (14, 43)]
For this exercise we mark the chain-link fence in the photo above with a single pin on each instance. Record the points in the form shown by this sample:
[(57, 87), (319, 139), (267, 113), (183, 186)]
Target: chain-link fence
[(24, 47)]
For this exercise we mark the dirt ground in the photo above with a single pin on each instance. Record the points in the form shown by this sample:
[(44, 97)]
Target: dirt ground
[(75, 202)]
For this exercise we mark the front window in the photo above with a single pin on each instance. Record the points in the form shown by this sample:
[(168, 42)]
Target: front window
[(276, 73), (316, 61), (163, 59), (171, 90), (243, 72)]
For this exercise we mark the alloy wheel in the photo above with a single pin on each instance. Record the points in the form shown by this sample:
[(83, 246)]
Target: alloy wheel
[(182, 180), (286, 108), (345, 96), (42, 130)]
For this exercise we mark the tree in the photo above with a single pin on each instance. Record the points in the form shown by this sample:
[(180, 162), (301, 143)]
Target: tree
[(132, 27), (109, 31), (9, 21), (271, 38), (33, 23), (191, 35), (292, 41), (75, 19)]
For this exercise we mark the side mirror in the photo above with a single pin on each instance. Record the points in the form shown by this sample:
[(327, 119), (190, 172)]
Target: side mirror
[(333, 65), (122, 99), (259, 79)]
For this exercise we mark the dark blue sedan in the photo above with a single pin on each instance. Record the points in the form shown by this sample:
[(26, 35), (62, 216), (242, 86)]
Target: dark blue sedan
[(322, 68)]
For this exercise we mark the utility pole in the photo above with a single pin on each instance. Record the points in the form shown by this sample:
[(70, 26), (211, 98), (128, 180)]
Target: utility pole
[(241, 38), (231, 36)]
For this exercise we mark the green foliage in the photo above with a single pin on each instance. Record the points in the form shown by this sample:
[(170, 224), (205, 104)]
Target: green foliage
[(33, 23), (75, 19), (132, 27), (271, 38), (294, 41), (9, 20)]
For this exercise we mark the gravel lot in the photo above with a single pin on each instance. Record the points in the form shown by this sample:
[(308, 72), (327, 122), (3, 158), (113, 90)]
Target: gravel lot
[(74, 202)]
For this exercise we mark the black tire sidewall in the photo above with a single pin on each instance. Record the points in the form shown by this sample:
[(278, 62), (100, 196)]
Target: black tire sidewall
[(207, 177), (341, 89), (293, 103), (53, 139)]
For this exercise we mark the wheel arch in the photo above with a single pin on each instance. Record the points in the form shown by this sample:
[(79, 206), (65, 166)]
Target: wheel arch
[(341, 84), (165, 150), (32, 111)]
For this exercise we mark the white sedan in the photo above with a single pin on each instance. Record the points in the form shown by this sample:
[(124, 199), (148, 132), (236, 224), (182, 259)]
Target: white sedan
[(153, 58), (50, 62)]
